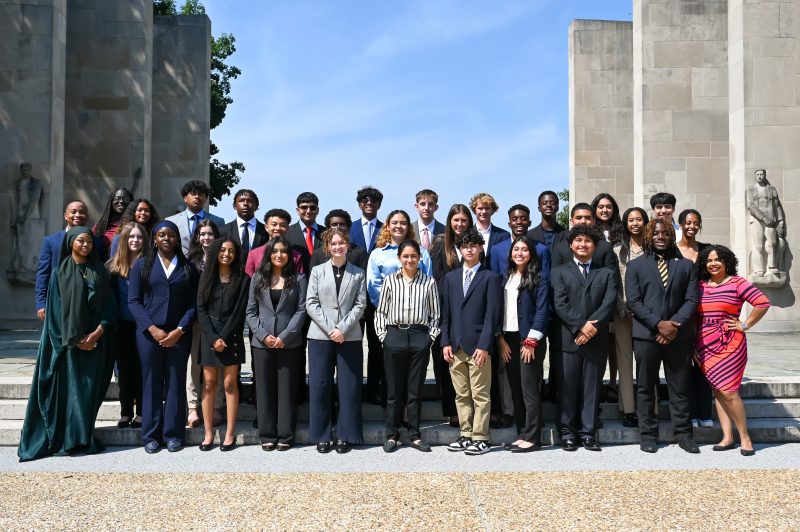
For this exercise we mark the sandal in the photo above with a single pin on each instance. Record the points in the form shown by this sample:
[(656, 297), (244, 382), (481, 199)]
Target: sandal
[(194, 419)]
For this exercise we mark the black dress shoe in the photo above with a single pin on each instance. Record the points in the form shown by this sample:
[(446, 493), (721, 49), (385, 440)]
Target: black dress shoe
[(390, 446), (630, 421), (343, 447), (325, 447), (123, 423), (648, 446), (206, 446), (152, 447), (688, 445), (728, 447), (590, 444), (135, 424), (225, 448), (518, 449), (421, 446), (569, 445), (174, 446), (747, 452)]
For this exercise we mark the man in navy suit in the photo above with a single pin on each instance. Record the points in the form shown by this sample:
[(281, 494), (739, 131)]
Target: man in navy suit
[(195, 194), (548, 228), (584, 297), (661, 287), (245, 203), (471, 302), (484, 206), (305, 234), (427, 227), (75, 214), (365, 231)]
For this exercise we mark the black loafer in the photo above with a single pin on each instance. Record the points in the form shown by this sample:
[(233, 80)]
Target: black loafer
[(152, 447), (747, 452), (123, 423), (689, 446), (728, 447), (421, 446), (225, 448), (590, 444), (648, 446), (206, 446), (390, 446), (569, 445), (343, 447), (325, 447), (630, 421), (135, 424), (518, 449)]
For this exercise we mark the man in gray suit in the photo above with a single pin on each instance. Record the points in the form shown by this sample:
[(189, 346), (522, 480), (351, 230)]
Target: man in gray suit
[(195, 194)]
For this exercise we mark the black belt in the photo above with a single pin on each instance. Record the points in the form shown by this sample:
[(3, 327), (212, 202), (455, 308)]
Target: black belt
[(409, 326)]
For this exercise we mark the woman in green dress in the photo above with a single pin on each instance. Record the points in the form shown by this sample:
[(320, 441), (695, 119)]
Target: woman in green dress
[(75, 360)]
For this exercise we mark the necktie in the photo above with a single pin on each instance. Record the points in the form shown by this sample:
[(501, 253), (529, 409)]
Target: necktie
[(370, 229), (467, 281), (309, 241), (245, 238), (426, 238), (193, 222), (662, 269), (585, 269)]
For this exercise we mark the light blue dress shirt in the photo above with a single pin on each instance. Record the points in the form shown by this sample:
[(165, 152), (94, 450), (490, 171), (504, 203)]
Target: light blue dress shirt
[(382, 262)]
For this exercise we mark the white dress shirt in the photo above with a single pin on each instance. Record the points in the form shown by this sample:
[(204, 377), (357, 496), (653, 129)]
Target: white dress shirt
[(172, 265), (252, 229)]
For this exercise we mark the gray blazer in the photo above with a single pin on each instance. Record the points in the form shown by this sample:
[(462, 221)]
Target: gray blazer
[(182, 221), (286, 321), (328, 312)]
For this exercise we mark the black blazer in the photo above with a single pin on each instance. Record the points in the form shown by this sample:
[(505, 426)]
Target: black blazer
[(470, 321), (285, 321), (533, 306), (538, 234), (297, 239), (578, 299), (222, 316), (230, 231), (650, 302), (603, 257)]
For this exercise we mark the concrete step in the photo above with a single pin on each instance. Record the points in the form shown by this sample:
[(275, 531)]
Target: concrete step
[(432, 410), (761, 430), (760, 388)]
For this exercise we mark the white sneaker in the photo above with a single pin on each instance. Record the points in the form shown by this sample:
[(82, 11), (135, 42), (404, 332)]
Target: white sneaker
[(477, 447), (706, 423), (460, 444), (695, 423)]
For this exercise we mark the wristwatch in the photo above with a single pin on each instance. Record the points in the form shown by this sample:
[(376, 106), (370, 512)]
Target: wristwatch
[(744, 325)]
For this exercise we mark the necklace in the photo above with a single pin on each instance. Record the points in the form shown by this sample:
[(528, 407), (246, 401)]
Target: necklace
[(337, 270), (723, 281)]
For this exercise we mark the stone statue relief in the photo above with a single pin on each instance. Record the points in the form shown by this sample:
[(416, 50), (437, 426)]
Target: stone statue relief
[(27, 227), (767, 234)]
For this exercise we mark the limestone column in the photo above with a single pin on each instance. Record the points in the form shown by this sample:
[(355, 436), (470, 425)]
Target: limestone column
[(601, 110)]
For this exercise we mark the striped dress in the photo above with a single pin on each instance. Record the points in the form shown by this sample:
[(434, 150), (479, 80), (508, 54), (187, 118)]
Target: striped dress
[(722, 354)]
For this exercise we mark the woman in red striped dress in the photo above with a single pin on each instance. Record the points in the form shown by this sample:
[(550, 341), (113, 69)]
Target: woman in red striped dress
[(721, 342)]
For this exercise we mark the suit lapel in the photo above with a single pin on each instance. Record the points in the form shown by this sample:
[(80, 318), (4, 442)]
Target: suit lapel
[(475, 279), (281, 300), (576, 272), (346, 277), (672, 266)]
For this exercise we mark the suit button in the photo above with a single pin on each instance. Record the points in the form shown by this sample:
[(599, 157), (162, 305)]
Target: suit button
[(335, 308)]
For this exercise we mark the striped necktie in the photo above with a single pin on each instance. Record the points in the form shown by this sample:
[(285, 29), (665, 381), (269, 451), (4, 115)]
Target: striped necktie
[(662, 269)]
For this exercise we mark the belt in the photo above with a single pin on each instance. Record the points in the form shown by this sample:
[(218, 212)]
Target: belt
[(409, 326)]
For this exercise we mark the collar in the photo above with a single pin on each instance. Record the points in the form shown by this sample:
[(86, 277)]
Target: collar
[(481, 229), (431, 226), (364, 221), (201, 214), (578, 263), (399, 274), (474, 268), (303, 226), (251, 222)]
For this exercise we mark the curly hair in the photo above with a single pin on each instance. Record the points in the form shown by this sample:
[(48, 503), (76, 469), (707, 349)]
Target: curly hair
[(530, 278), (483, 197), (470, 237), (327, 236), (210, 275), (585, 230), (649, 231), (384, 237), (129, 215), (726, 257), (625, 243), (614, 226), (262, 279)]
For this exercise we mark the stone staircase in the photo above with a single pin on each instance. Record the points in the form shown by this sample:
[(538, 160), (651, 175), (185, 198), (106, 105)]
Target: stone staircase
[(773, 410)]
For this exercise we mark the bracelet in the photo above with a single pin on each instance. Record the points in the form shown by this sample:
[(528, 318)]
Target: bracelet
[(530, 342)]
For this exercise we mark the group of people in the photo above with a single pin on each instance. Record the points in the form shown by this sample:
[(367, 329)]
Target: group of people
[(165, 302)]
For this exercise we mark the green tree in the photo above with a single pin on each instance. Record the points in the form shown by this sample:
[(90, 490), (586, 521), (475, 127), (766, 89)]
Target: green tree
[(562, 217), (223, 176)]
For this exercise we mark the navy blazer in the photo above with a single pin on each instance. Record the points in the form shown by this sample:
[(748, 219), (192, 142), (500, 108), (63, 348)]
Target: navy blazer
[(496, 235), (469, 321), (169, 303), (357, 235), (533, 306), (650, 302), (578, 299), (498, 261)]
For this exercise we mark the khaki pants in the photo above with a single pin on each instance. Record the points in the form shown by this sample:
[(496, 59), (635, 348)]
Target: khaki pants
[(473, 399), (194, 378), (623, 331)]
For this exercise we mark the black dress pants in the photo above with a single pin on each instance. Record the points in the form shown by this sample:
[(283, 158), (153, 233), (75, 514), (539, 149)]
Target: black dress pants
[(376, 380), (525, 381), (276, 371), (580, 379), (130, 370), (441, 372), (554, 335), (700, 398), (405, 358), (676, 357)]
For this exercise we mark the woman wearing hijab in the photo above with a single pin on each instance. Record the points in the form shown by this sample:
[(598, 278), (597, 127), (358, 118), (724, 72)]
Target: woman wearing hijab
[(75, 360), (162, 296)]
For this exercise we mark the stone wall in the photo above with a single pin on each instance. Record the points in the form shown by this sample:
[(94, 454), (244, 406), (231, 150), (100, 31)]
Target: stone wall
[(601, 110), (765, 130), (108, 93), (680, 105), (32, 67), (181, 96)]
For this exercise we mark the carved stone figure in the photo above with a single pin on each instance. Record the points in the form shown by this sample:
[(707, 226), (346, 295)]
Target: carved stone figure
[(767, 233), (26, 226)]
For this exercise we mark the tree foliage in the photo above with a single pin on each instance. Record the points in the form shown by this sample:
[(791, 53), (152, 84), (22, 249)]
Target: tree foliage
[(562, 217), (223, 176)]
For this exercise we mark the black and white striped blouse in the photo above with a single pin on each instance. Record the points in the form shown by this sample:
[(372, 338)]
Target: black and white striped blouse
[(408, 302)]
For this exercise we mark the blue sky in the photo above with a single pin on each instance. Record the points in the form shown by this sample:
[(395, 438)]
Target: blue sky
[(460, 96)]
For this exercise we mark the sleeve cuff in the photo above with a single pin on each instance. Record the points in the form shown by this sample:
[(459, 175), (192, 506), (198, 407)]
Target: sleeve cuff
[(536, 335)]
